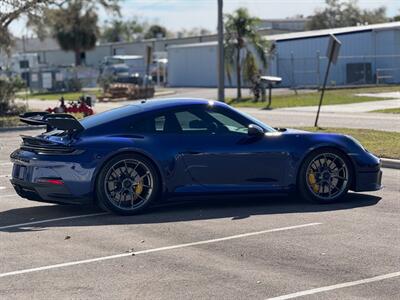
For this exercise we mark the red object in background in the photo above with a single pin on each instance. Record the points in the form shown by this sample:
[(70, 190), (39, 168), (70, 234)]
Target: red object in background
[(73, 107)]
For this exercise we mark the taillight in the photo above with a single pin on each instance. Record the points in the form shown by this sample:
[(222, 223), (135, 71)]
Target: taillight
[(50, 181)]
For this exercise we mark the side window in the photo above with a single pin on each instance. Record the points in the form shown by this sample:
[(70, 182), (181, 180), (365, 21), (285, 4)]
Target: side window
[(142, 126), (189, 122), (192, 121), (151, 124), (227, 123), (159, 123)]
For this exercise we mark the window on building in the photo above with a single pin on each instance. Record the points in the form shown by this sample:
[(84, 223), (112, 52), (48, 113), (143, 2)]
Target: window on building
[(24, 64)]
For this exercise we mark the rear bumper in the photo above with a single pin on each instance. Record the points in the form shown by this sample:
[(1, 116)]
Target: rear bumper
[(46, 192), (29, 168)]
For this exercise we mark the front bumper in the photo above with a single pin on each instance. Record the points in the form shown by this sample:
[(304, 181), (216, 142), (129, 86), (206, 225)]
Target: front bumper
[(367, 172), (368, 181)]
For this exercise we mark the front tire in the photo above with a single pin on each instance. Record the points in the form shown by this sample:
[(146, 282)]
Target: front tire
[(325, 176), (127, 184)]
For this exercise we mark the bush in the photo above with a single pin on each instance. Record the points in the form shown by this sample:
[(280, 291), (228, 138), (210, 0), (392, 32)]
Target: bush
[(74, 85), (8, 88)]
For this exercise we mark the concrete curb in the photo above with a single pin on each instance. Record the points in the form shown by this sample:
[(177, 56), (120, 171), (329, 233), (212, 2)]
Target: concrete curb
[(390, 163)]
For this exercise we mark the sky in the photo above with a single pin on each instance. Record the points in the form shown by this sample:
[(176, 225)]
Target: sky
[(179, 14)]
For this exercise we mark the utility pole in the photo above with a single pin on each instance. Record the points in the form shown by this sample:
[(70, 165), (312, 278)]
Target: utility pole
[(221, 67)]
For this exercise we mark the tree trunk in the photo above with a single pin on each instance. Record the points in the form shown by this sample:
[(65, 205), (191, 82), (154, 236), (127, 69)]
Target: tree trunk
[(238, 75), (78, 60)]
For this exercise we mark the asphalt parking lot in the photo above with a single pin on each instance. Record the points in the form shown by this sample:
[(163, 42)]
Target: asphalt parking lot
[(242, 248)]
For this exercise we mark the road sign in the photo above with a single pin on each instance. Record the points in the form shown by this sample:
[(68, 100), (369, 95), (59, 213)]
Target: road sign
[(333, 49), (332, 53)]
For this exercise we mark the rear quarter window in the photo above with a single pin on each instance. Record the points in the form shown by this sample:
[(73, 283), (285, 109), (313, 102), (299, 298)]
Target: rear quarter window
[(110, 116)]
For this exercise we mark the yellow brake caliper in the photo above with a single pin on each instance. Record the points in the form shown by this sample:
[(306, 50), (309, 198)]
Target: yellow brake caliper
[(313, 181), (139, 188)]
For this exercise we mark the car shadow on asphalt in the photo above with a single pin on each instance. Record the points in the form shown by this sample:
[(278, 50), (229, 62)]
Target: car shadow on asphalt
[(176, 211)]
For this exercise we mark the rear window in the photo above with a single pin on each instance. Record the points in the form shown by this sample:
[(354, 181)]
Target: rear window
[(110, 115)]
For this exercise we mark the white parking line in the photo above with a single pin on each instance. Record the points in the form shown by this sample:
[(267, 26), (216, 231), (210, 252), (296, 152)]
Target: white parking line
[(51, 220), (336, 286), (11, 195), (2, 187), (86, 261)]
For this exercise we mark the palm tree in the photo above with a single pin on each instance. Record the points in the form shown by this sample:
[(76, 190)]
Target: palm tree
[(75, 29), (242, 40), (73, 23)]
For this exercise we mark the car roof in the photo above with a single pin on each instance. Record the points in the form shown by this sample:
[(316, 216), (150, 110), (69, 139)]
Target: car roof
[(142, 107), (156, 104)]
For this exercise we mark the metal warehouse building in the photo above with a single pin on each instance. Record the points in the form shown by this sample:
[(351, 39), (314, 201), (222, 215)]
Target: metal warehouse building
[(50, 53), (369, 54)]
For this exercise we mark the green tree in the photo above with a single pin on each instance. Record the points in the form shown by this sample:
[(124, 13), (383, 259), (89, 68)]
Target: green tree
[(242, 45), (155, 31), (73, 23), (74, 29), (196, 31), (8, 88), (342, 14), (11, 10), (396, 18), (121, 31)]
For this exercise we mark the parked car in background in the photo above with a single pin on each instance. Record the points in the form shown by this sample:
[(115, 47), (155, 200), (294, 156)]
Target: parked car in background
[(133, 63)]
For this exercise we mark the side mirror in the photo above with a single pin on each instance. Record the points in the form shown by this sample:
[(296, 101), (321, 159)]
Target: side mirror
[(255, 131)]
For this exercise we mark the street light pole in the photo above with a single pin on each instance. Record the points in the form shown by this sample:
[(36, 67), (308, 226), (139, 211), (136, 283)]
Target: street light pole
[(221, 67)]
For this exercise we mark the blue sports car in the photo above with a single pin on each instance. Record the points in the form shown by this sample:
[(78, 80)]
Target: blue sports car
[(126, 158)]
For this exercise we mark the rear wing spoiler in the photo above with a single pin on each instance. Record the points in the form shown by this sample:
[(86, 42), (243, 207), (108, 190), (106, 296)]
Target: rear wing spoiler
[(65, 122)]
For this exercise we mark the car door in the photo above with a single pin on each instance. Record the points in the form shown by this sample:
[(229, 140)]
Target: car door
[(220, 155)]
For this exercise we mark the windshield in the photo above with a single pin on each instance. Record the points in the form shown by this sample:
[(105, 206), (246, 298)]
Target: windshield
[(110, 115), (257, 122), (129, 79), (113, 61)]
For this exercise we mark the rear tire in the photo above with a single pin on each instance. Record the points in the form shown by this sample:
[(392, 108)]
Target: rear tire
[(127, 184), (325, 176)]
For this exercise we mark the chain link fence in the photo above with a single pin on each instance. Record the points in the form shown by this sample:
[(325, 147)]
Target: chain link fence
[(56, 79)]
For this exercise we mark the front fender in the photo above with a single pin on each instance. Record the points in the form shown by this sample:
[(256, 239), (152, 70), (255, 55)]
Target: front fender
[(361, 159)]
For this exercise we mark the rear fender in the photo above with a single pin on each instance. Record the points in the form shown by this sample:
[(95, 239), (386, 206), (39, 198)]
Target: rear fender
[(145, 154)]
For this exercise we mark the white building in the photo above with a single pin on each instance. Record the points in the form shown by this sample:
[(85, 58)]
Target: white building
[(288, 24), (369, 54), (51, 54)]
